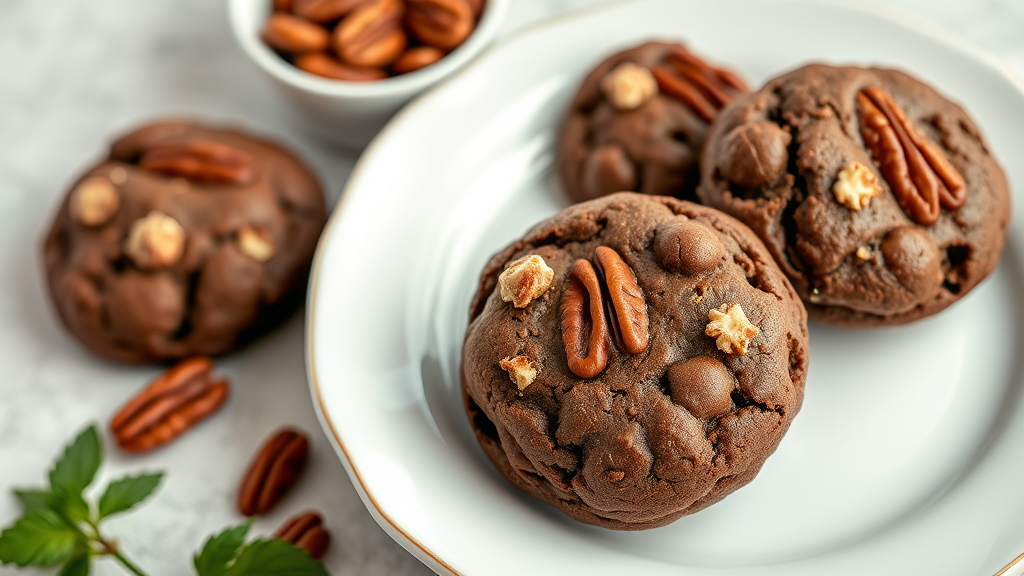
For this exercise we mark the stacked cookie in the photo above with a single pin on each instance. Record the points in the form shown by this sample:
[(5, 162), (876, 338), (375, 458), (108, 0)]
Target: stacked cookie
[(636, 357)]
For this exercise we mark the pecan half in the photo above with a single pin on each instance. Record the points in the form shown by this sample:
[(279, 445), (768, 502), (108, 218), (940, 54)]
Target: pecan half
[(201, 161), (273, 472), (327, 66), (627, 307), (293, 34), (919, 174), (324, 10), (584, 329), (704, 88), (442, 24), (372, 34), (307, 532), (172, 404)]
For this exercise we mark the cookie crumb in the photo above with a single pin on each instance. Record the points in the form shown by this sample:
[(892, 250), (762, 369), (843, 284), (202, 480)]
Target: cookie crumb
[(524, 280), (521, 370), (864, 253), (856, 186), (628, 86), (731, 329)]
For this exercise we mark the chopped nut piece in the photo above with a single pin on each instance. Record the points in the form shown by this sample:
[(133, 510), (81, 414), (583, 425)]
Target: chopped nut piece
[(520, 370), (94, 202), (118, 175), (864, 253), (629, 85), (731, 329), (155, 241), (256, 243), (524, 280), (856, 186)]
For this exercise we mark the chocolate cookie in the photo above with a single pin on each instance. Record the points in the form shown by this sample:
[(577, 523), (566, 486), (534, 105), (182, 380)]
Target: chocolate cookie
[(877, 196), (639, 123), (633, 359), (185, 241)]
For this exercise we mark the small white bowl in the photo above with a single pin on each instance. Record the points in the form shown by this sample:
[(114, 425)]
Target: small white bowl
[(351, 113)]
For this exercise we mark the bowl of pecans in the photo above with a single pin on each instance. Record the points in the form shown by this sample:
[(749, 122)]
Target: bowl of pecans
[(346, 66)]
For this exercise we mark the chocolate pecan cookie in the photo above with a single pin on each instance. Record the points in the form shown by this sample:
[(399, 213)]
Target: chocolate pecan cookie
[(633, 359), (639, 122), (876, 195), (185, 241)]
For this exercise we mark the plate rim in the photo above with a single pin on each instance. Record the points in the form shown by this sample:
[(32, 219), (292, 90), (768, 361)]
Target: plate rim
[(430, 558)]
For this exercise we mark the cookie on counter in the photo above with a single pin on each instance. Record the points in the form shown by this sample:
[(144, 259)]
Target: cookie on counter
[(639, 122), (186, 240), (633, 359), (875, 194)]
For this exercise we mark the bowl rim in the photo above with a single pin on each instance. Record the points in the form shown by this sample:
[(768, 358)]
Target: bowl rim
[(240, 14)]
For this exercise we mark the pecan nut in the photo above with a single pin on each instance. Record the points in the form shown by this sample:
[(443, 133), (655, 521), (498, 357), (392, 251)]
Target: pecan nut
[(704, 88), (324, 10), (326, 66), (200, 161), (584, 328), (443, 24), (372, 34), (416, 58), (170, 405), (919, 174), (274, 471), (293, 34), (627, 307), (306, 531)]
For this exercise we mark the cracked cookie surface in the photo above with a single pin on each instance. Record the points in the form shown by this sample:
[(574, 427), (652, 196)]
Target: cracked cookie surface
[(829, 184), (670, 423), (186, 240)]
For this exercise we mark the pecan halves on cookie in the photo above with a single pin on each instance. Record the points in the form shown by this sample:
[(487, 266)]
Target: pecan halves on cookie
[(172, 404), (920, 176), (274, 471), (627, 307), (307, 532), (704, 88), (201, 161), (584, 328)]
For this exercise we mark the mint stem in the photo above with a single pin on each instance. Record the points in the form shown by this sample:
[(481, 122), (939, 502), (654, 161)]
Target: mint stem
[(128, 564)]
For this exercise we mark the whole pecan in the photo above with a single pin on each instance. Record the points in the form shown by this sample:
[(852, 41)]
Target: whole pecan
[(416, 58), (371, 35), (584, 328), (293, 34), (626, 305), (173, 403), (704, 88), (307, 532), (443, 24), (273, 472), (201, 161), (329, 67), (920, 176), (324, 10)]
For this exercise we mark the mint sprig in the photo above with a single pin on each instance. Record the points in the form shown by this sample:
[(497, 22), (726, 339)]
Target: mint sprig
[(58, 527)]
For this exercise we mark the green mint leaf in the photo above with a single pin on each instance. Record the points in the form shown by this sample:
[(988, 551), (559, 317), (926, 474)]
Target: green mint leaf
[(77, 566), (71, 506), (221, 550), (39, 538), (275, 558), (77, 467), (127, 492), (34, 499)]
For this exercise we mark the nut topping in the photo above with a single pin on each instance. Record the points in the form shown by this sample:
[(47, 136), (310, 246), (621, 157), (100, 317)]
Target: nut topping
[(169, 406), (443, 24), (628, 86), (273, 472), (371, 36), (920, 176), (256, 243), (704, 88), (522, 371), (306, 531), (94, 202), (731, 329), (201, 161), (524, 280), (856, 186), (156, 241), (627, 307), (584, 329)]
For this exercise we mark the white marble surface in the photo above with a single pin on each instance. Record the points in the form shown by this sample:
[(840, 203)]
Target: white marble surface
[(74, 74)]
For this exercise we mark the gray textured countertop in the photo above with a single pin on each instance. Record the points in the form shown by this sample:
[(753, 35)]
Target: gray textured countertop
[(72, 76)]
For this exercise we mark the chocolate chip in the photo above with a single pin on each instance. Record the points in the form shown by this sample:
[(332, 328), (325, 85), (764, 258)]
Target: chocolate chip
[(755, 154)]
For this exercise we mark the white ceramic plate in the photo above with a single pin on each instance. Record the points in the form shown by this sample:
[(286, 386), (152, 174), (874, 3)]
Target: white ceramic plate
[(907, 455)]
